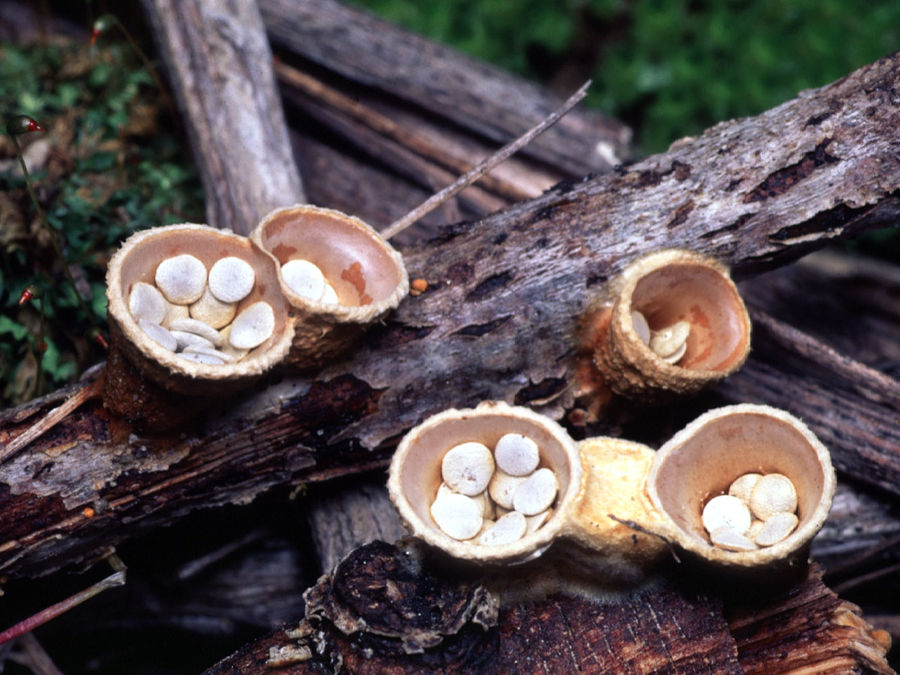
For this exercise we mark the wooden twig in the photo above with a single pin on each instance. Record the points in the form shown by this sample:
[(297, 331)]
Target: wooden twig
[(476, 172), (50, 420)]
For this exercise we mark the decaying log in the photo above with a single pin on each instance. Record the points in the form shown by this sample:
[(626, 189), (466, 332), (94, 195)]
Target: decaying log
[(345, 516), (473, 95), (852, 407), (353, 621), (231, 108), (500, 322)]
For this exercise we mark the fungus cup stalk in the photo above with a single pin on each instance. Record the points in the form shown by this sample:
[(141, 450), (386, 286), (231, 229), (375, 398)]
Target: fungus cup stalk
[(21, 124)]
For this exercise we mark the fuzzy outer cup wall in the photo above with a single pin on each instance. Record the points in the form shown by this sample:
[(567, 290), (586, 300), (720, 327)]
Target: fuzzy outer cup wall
[(704, 458), (366, 273), (668, 287), (415, 475), (141, 373), (611, 502)]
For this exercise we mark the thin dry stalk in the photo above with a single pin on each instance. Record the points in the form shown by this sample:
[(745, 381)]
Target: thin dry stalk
[(476, 172)]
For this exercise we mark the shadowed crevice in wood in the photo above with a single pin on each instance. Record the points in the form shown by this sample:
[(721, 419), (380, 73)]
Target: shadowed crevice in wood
[(492, 284), (784, 179), (539, 393), (479, 329)]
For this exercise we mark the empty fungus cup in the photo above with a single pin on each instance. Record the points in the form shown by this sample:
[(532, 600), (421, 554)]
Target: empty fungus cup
[(703, 459), (366, 274), (416, 474), (676, 295), (137, 361)]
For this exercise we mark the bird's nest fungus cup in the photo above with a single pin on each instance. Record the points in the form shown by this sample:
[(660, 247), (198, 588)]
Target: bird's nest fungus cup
[(785, 475), (337, 273), (193, 311), (448, 486), (675, 324), (498, 484)]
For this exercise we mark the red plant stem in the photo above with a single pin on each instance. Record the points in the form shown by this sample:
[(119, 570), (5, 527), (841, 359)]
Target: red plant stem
[(147, 64), (115, 579), (53, 240)]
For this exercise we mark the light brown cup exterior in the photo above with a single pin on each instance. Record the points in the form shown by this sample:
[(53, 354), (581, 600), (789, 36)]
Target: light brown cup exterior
[(666, 287), (415, 475), (611, 501), (136, 261), (704, 458), (367, 273)]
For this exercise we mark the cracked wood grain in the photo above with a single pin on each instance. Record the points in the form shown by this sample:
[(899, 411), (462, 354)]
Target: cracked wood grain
[(538, 265)]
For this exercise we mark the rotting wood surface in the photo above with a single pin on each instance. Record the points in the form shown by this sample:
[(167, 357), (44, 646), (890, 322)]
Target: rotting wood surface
[(499, 322), (473, 95), (671, 626)]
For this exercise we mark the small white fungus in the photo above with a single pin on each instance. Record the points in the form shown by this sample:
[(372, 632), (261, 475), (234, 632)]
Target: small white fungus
[(776, 528), (198, 328), (537, 493), (516, 454), (231, 279), (743, 485), (502, 487), (506, 530), (457, 515), (253, 326), (304, 278), (726, 511), (773, 493), (640, 326), (181, 279), (730, 539), (467, 468), (146, 302), (159, 334)]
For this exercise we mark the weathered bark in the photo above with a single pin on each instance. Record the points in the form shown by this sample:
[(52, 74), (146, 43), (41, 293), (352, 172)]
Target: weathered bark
[(353, 620), (220, 63), (475, 96), (500, 322), (343, 517)]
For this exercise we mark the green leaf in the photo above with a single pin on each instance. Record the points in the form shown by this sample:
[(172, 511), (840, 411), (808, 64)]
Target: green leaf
[(10, 327)]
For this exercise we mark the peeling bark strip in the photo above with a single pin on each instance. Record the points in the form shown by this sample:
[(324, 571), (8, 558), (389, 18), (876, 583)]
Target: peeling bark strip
[(346, 417)]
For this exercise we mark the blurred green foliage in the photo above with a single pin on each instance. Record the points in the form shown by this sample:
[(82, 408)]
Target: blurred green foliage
[(112, 168), (668, 68)]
